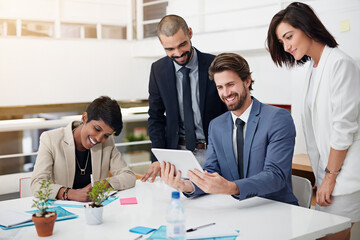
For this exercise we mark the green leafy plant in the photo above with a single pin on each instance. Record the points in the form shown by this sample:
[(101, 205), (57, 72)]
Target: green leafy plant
[(99, 193), (42, 198), (131, 137)]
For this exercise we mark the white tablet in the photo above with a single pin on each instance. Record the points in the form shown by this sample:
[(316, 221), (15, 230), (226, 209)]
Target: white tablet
[(183, 160)]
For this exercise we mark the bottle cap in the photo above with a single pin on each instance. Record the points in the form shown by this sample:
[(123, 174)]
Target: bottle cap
[(175, 195)]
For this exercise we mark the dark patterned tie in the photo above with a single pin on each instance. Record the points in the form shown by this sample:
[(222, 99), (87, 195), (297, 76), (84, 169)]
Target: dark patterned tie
[(240, 145), (188, 112)]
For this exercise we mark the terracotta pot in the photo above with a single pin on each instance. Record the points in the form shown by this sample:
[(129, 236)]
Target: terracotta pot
[(44, 225)]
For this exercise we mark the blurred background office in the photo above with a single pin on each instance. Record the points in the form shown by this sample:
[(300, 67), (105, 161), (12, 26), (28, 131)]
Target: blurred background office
[(51, 48)]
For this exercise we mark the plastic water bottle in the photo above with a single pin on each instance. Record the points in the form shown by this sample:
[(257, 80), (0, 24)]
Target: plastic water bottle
[(175, 218)]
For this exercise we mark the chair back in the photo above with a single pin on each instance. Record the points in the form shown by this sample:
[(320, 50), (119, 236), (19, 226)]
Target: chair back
[(24, 187), (303, 190)]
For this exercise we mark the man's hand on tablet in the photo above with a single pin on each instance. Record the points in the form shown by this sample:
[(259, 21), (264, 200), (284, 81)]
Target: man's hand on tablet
[(175, 181), (213, 183)]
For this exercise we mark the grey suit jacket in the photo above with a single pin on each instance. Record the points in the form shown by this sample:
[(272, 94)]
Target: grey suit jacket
[(56, 162)]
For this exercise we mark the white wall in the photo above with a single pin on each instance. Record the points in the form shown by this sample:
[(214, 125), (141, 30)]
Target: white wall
[(46, 71), (114, 12), (94, 11), (28, 9)]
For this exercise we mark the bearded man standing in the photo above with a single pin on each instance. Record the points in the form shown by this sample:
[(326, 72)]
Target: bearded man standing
[(182, 99)]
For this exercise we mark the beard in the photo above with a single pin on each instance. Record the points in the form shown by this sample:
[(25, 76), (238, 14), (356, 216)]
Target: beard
[(237, 105), (187, 54)]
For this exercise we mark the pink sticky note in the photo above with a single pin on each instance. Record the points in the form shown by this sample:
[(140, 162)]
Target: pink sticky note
[(125, 201)]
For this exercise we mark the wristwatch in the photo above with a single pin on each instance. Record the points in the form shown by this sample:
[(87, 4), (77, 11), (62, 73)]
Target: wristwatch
[(328, 171)]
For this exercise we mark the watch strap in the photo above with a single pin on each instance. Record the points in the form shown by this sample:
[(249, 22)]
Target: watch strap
[(331, 172)]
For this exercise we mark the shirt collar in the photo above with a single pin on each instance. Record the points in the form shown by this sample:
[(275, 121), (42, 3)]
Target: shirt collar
[(192, 64), (244, 116)]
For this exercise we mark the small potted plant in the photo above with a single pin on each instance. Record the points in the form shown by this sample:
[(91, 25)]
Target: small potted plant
[(98, 194), (44, 221)]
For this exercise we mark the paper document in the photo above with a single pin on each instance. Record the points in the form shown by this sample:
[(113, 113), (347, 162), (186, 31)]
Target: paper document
[(213, 231), (9, 218), (68, 202), (76, 204)]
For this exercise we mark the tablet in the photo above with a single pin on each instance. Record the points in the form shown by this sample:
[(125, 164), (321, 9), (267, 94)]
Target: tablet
[(183, 160)]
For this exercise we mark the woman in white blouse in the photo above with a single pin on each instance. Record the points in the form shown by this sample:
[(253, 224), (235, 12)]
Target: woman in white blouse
[(331, 110)]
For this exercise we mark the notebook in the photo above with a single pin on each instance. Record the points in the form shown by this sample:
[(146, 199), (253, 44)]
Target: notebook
[(10, 217), (62, 214)]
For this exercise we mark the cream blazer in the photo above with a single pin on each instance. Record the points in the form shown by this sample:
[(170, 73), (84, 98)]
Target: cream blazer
[(334, 119), (56, 162)]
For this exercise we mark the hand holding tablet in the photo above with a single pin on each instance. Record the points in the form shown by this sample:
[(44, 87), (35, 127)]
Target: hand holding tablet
[(183, 160)]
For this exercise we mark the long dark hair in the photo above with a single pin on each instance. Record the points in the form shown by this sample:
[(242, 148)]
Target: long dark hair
[(303, 17)]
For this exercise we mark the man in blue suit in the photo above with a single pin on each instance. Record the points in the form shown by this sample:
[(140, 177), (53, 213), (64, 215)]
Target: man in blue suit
[(167, 128), (266, 135)]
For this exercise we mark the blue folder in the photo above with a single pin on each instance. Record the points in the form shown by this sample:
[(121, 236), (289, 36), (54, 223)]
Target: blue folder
[(160, 233)]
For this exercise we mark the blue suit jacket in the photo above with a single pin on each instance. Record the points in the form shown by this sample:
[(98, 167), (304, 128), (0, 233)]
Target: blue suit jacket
[(268, 150), (164, 129)]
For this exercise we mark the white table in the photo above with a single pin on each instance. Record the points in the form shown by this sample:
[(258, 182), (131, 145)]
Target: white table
[(256, 218)]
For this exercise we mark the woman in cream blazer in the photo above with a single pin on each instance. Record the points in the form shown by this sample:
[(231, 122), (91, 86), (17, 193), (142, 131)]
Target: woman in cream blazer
[(331, 111), (67, 156)]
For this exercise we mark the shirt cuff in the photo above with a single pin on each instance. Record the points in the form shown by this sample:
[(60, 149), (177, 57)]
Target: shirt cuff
[(189, 193)]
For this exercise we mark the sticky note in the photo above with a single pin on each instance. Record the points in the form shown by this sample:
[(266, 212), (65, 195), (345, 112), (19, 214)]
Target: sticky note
[(345, 25), (125, 201), (142, 230)]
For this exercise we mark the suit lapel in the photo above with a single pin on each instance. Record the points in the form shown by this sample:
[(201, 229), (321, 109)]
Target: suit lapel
[(203, 78), (69, 152), (319, 72), (251, 127), (168, 79), (306, 87), (227, 140), (96, 158)]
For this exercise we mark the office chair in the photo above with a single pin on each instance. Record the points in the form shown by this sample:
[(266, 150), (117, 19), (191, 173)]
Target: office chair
[(24, 187), (303, 190)]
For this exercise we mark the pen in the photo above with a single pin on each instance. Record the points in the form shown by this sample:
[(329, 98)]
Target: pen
[(202, 226), (114, 193), (139, 237), (92, 180)]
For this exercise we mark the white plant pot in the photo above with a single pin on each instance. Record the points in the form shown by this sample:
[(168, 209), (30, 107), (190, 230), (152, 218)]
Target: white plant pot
[(94, 216)]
